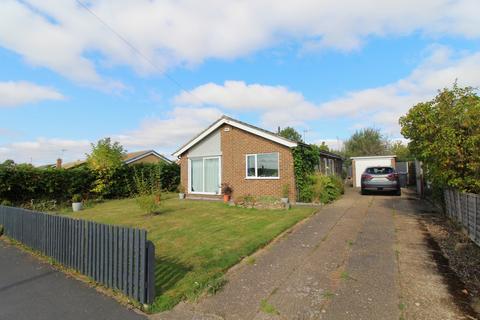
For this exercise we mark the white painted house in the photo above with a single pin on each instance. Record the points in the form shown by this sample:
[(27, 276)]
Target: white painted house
[(359, 164)]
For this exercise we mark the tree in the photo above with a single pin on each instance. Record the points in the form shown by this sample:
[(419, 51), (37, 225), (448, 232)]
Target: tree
[(104, 160), (444, 133), (366, 142), (323, 147), (400, 150), (291, 133)]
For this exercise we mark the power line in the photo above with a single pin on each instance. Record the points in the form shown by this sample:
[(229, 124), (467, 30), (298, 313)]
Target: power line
[(137, 51)]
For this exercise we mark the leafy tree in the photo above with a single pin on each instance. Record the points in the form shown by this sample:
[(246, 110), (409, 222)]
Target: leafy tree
[(400, 150), (104, 160), (291, 133), (323, 147), (445, 134), (366, 142)]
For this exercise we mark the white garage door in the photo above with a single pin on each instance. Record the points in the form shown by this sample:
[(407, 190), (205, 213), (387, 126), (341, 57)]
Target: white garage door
[(362, 164)]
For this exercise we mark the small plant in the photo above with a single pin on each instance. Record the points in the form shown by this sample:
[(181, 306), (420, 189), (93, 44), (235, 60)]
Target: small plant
[(226, 189), (268, 308), (148, 204), (285, 190), (344, 275), (250, 261), (77, 198), (1, 230), (6, 203), (181, 188), (328, 295)]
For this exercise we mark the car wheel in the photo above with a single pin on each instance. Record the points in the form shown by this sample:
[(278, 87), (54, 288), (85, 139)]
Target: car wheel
[(363, 192), (398, 192)]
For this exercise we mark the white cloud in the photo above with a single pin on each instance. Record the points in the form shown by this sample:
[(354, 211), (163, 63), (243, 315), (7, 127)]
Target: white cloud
[(62, 36), (166, 134), (333, 144), (162, 134), (385, 104), (43, 150), (379, 107), (18, 93), (278, 105)]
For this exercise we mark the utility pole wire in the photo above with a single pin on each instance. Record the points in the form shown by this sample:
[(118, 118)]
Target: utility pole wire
[(137, 51)]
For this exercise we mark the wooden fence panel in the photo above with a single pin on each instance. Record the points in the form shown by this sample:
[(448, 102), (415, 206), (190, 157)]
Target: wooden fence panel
[(117, 257), (465, 209)]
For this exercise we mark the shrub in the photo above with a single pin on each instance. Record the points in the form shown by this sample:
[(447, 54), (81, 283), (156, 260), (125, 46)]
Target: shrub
[(148, 204), (323, 188), (5, 202)]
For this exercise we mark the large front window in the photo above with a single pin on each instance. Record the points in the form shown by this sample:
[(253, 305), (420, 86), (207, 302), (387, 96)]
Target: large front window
[(262, 165), (205, 175)]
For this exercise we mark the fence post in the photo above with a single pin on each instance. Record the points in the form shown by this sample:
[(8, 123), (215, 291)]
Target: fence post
[(150, 273)]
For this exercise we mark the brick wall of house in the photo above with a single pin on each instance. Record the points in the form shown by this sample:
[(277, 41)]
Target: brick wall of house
[(235, 144)]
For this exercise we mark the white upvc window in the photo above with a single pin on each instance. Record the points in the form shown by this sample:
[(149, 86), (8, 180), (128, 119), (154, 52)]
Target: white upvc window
[(204, 175), (262, 166)]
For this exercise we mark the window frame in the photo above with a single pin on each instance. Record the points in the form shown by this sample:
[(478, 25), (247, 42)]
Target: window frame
[(256, 177), (203, 174)]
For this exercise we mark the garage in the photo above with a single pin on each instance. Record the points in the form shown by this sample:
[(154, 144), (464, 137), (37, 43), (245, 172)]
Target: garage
[(359, 164)]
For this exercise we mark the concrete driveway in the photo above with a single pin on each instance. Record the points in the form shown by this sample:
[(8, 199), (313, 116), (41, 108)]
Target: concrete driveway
[(32, 290), (362, 257)]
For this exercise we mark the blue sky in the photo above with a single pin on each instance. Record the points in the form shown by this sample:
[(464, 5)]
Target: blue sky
[(325, 67)]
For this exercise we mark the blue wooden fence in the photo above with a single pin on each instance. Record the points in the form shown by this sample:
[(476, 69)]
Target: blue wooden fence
[(117, 257)]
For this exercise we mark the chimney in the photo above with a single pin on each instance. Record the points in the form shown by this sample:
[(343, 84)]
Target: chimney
[(59, 163)]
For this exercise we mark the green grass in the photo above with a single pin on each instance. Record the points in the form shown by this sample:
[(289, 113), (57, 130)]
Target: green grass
[(195, 241)]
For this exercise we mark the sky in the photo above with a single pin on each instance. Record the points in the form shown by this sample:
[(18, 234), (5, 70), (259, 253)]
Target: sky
[(152, 74)]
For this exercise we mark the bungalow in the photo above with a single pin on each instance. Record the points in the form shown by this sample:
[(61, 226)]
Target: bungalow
[(251, 160), (131, 158)]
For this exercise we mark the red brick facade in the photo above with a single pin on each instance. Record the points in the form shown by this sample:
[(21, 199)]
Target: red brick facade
[(235, 145)]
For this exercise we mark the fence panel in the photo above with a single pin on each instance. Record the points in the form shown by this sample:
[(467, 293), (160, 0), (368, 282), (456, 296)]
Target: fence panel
[(117, 257), (465, 209)]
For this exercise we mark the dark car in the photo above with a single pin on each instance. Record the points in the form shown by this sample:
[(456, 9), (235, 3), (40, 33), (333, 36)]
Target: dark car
[(380, 179)]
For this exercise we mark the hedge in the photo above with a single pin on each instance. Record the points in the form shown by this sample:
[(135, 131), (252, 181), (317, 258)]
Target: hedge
[(22, 183)]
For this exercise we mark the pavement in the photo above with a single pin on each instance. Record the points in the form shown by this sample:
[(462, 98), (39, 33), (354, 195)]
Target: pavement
[(31, 289), (345, 262)]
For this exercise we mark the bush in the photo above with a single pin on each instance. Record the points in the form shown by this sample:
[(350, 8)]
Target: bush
[(323, 188), (7, 203), (148, 204)]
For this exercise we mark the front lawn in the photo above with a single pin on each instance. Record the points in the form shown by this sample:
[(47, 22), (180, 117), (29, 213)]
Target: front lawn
[(196, 241)]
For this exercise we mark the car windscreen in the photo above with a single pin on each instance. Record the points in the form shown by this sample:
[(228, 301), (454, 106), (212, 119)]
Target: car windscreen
[(379, 170)]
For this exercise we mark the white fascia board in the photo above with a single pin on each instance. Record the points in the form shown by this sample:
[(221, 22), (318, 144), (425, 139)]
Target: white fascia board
[(236, 124), (373, 157)]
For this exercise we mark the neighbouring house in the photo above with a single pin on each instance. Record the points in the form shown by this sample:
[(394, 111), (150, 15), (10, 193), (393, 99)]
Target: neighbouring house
[(359, 164), (137, 157), (251, 160)]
